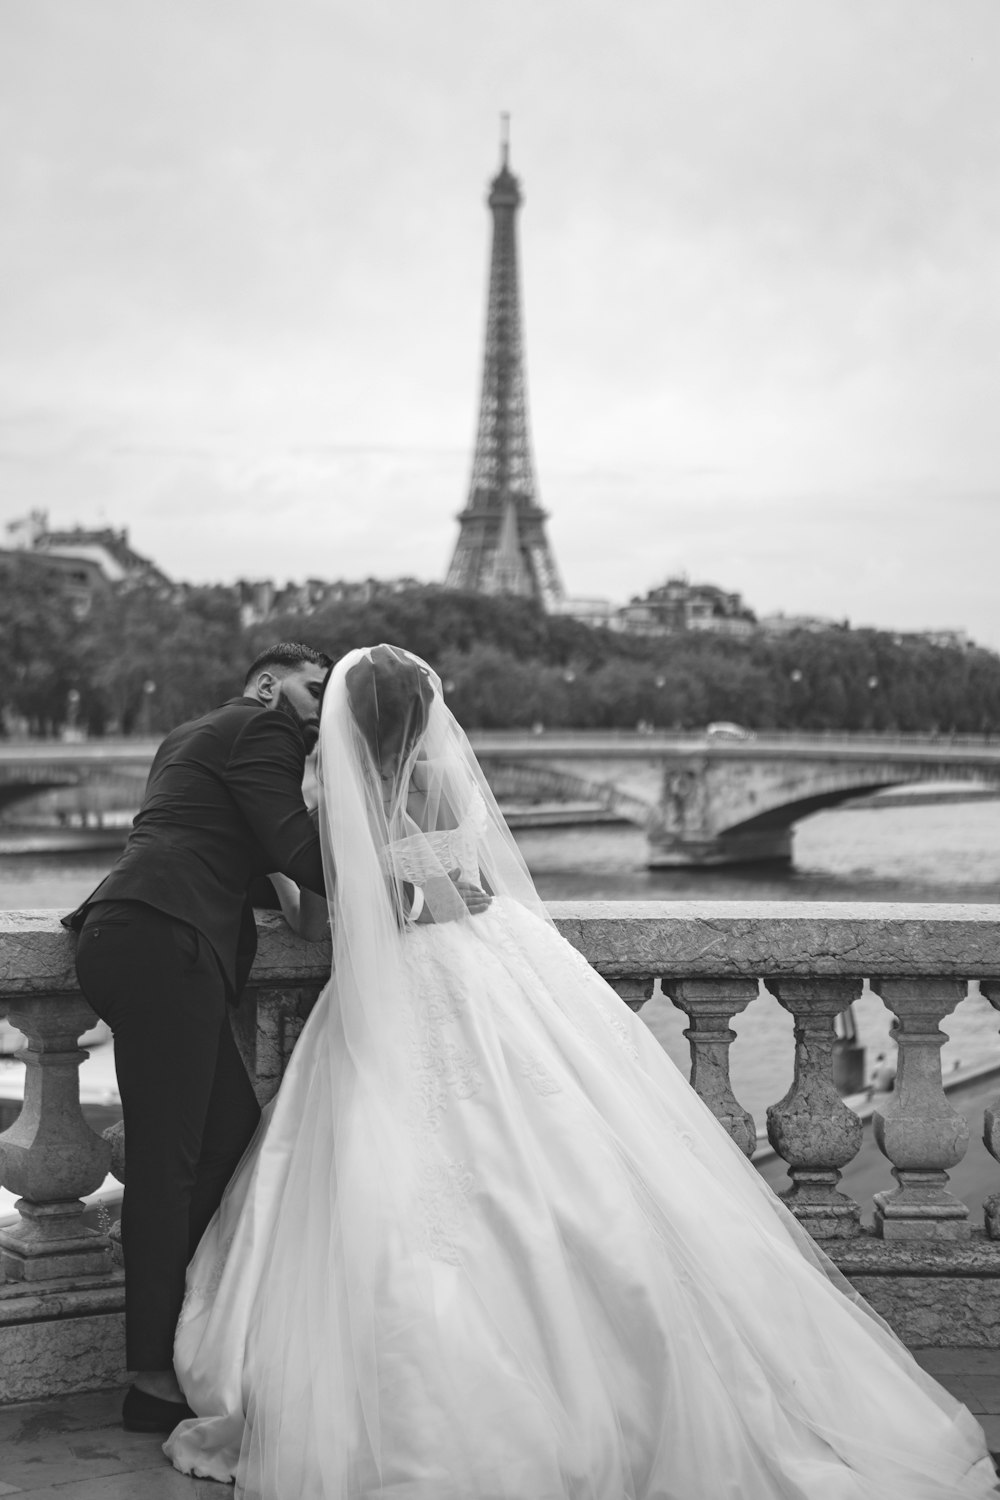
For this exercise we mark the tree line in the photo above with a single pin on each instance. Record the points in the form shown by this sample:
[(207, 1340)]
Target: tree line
[(141, 661)]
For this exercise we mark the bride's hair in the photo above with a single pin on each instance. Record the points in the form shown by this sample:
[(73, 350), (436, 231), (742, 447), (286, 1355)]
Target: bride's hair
[(390, 697), (404, 803)]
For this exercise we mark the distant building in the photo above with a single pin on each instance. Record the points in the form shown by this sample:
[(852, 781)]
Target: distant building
[(256, 600), (82, 562), (260, 599), (782, 624), (678, 605), (596, 612), (950, 638)]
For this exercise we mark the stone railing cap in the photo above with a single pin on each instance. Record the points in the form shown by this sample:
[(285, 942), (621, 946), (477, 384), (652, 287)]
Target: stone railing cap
[(710, 939)]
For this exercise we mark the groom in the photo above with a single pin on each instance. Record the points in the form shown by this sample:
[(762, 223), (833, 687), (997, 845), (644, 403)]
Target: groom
[(166, 942)]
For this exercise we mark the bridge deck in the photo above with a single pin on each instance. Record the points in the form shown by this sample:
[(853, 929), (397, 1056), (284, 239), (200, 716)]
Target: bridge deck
[(584, 742)]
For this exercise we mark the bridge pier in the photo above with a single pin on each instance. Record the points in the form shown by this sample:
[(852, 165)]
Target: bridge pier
[(668, 851)]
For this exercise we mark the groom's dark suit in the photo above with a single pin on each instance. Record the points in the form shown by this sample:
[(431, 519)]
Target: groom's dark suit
[(165, 941)]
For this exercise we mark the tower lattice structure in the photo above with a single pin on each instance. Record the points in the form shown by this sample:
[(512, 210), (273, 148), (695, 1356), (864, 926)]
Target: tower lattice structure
[(502, 545)]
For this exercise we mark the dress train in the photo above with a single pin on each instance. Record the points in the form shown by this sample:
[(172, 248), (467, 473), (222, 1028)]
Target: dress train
[(504, 1252)]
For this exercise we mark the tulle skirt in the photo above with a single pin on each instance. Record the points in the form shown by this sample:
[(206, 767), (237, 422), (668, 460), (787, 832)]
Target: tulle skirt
[(508, 1254)]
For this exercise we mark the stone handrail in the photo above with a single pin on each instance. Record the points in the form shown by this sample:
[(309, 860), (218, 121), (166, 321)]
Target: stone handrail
[(708, 957)]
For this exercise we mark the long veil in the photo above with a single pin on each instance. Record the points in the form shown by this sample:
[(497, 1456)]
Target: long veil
[(405, 814)]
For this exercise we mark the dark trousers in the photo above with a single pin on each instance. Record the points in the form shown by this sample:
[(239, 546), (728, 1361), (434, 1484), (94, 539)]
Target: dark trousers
[(188, 1105)]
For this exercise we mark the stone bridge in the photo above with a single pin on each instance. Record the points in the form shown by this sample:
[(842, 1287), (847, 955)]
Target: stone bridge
[(705, 801), (702, 801), (26, 769)]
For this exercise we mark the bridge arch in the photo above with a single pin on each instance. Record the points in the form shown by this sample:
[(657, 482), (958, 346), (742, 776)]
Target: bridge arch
[(12, 792), (786, 814), (777, 801), (22, 783)]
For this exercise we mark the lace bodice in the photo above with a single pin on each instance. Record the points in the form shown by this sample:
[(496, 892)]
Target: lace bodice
[(424, 855)]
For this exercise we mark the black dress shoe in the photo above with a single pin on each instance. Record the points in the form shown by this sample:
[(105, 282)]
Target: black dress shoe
[(142, 1412)]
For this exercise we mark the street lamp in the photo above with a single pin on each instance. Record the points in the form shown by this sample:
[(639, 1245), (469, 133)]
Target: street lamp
[(71, 732), (146, 712), (796, 677), (871, 683)]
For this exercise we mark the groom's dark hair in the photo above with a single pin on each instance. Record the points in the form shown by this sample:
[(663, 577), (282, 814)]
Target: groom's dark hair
[(283, 657)]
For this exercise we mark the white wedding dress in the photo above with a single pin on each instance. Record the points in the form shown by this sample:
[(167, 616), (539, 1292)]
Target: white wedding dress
[(488, 1244)]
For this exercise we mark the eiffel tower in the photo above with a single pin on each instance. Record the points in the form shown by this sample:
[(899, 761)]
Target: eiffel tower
[(502, 547)]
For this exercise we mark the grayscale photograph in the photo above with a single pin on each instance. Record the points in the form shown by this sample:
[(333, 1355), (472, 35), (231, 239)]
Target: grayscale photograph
[(499, 749)]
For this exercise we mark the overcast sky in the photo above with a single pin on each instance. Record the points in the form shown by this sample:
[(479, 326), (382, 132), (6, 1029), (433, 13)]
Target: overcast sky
[(243, 261)]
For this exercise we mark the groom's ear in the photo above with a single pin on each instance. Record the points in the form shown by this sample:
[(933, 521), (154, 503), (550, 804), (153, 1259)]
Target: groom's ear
[(264, 686)]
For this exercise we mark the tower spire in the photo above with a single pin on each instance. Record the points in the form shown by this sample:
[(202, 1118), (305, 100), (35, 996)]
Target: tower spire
[(502, 545)]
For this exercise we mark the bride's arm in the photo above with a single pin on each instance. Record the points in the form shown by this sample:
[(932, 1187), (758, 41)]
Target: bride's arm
[(304, 911), (435, 900), (438, 895)]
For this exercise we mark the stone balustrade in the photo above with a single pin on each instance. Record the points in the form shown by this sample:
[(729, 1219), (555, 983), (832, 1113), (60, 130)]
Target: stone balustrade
[(932, 1273)]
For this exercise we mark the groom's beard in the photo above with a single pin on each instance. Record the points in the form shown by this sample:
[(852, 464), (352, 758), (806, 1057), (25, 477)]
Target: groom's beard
[(308, 728)]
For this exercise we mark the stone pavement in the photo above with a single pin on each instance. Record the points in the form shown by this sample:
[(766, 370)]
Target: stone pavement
[(73, 1448), (972, 1376)]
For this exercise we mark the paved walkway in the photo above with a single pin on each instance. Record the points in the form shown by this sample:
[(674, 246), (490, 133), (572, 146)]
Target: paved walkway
[(75, 1449)]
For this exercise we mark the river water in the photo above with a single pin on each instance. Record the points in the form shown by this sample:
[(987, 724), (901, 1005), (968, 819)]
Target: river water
[(938, 853)]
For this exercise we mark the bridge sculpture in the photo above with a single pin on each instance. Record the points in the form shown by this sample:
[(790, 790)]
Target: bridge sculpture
[(701, 801)]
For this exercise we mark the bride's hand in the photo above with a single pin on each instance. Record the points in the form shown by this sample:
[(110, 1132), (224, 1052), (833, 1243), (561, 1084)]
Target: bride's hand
[(440, 903), (473, 895)]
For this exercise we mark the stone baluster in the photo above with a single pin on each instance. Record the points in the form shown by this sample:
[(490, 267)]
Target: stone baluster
[(918, 1130), (991, 1126), (634, 990), (811, 1128), (50, 1156), (710, 1005)]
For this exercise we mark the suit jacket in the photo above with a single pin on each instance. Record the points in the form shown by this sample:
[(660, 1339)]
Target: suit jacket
[(223, 805)]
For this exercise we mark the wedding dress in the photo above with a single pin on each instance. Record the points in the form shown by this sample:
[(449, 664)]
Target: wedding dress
[(488, 1243)]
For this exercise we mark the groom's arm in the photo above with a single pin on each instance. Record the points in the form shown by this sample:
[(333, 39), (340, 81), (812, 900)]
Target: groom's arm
[(264, 776)]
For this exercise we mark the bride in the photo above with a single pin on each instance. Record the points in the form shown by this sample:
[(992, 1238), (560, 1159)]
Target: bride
[(488, 1244)]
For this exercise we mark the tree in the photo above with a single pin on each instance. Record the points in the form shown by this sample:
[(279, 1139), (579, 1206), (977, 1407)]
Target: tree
[(146, 660), (154, 661), (39, 636)]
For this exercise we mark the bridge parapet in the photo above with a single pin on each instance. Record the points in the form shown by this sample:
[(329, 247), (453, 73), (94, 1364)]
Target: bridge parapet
[(930, 1272)]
